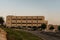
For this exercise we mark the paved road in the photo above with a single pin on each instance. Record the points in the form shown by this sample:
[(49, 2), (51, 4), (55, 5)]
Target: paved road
[(44, 36)]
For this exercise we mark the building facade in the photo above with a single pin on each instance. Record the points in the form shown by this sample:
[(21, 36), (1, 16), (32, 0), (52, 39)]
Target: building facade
[(25, 21)]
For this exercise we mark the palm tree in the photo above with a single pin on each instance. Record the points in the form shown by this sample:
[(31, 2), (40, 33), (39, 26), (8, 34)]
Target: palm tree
[(1, 21)]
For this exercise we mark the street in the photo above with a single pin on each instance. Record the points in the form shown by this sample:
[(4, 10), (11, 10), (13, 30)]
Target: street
[(44, 35)]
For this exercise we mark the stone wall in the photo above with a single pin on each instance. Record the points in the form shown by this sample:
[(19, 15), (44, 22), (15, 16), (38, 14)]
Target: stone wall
[(2, 34)]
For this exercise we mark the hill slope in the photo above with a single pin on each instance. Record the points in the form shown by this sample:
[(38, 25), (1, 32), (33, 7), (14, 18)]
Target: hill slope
[(20, 35)]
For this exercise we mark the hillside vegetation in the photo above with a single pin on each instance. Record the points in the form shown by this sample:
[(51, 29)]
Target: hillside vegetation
[(20, 35)]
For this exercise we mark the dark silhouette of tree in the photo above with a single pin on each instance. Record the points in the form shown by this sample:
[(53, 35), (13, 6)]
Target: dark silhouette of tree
[(1, 21), (43, 26), (59, 28), (39, 27), (51, 28), (18, 27), (29, 26), (34, 28)]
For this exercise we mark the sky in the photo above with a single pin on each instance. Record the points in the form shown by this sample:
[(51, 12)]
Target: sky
[(48, 8)]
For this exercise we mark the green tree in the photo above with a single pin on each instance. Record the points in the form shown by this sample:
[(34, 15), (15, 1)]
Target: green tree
[(43, 26), (34, 28), (1, 21), (51, 28), (59, 28)]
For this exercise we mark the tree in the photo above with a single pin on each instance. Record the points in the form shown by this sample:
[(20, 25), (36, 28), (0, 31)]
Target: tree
[(34, 28), (29, 26), (1, 21), (18, 27), (51, 28), (39, 27), (43, 26), (59, 28)]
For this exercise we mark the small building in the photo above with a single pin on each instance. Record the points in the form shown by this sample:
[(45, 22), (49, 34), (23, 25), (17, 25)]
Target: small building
[(55, 28)]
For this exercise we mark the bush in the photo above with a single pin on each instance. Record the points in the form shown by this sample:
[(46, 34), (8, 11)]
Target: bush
[(18, 27), (43, 26), (13, 34), (34, 28), (51, 28)]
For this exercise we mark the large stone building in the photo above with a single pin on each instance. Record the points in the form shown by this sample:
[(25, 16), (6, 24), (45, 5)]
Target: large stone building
[(25, 21)]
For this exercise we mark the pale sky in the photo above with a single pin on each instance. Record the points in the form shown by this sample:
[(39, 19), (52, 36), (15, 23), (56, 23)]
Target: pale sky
[(48, 8)]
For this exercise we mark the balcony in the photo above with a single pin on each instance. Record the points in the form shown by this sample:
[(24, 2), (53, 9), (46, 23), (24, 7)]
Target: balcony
[(23, 24), (39, 25), (13, 21), (14, 25), (29, 21), (46, 22), (34, 21), (18, 24), (18, 17), (29, 24), (41, 18), (14, 17), (29, 18), (8, 17), (18, 21), (34, 24), (35, 18), (23, 18), (23, 21)]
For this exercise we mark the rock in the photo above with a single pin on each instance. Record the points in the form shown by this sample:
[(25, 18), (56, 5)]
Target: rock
[(2, 34)]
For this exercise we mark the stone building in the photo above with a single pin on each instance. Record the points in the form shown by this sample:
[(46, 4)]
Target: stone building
[(25, 21), (55, 28)]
